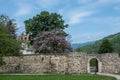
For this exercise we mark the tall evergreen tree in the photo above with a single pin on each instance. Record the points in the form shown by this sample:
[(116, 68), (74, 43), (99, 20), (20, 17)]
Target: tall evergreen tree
[(105, 47)]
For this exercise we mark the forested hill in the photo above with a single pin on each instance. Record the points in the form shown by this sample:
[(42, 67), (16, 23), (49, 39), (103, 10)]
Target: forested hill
[(76, 45), (113, 39)]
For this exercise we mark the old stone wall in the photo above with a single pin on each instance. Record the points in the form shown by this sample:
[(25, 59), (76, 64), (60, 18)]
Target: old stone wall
[(77, 63), (62, 63), (35, 64), (110, 63)]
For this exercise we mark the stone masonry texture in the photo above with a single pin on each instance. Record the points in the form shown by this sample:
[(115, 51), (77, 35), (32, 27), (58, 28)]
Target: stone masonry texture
[(60, 63)]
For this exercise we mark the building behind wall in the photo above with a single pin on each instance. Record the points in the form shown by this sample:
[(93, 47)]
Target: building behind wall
[(24, 38), (25, 44)]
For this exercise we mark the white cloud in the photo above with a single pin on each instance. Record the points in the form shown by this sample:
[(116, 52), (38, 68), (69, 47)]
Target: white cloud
[(96, 4), (89, 38), (110, 25), (92, 36), (24, 7), (47, 3), (78, 17), (109, 21), (24, 10), (61, 11)]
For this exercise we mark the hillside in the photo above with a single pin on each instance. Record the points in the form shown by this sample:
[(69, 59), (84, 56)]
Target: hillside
[(113, 39), (76, 45)]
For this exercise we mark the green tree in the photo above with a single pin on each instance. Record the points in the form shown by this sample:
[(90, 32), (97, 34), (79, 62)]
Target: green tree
[(46, 31), (8, 46), (78, 49), (44, 21), (8, 43), (105, 47), (9, 24)]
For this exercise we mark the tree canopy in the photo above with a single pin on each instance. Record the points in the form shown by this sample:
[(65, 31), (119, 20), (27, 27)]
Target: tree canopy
[(105, 47), (8, 43), (46, 31), (51, 42), (9, 24), (44, 21)]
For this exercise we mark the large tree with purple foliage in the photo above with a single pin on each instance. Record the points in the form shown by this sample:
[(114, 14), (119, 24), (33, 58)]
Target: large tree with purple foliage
[(46, 33), (51, 42)]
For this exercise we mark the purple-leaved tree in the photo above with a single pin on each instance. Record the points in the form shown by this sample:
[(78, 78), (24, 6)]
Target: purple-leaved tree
[(53, 41)]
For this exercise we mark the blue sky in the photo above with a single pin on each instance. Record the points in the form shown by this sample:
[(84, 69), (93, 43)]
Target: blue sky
[(88, 20)]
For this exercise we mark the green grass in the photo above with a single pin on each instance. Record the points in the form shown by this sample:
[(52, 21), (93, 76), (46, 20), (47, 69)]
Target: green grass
[(55, 77), (118, 73)]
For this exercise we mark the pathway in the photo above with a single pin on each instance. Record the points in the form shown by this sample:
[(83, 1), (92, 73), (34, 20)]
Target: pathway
[(113, 75)]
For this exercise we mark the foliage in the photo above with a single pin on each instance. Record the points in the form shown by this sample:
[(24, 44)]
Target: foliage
[(78, 49), (46, 31), (93, 62), (9, 24), (51, 42), (118, 73), (1, 60), (105, 47), (56, 77), (44, 21), (9, 47), (8, 44), (90, 49), (94, 48)]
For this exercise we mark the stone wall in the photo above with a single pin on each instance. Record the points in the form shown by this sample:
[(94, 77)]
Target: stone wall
[(62, 63), (77, 63), (35, 64), (110, 63)]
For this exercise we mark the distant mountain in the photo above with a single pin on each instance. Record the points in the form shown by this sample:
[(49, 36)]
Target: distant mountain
[(93, 48), (76, 45)]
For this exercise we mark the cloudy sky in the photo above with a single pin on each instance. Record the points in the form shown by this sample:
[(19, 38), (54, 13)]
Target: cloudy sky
[(88, 20)]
